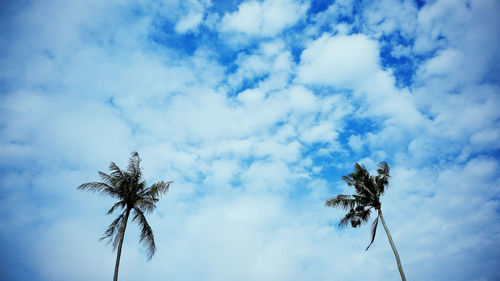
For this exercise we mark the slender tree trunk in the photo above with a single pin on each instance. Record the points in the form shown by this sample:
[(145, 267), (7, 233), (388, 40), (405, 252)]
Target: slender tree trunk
[(400, 268), (119, 252)]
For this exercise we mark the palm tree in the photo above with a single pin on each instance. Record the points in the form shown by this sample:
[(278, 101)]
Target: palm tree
[(367, 198), (130, 190)]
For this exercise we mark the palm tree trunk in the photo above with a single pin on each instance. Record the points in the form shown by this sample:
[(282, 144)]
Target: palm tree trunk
[(392, 245), (119, 252)]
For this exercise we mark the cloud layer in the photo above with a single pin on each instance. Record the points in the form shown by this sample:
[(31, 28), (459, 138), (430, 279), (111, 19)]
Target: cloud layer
[(255, 109)]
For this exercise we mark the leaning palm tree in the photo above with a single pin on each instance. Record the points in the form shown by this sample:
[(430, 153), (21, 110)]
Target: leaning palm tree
[(130, 190), (367, 198)]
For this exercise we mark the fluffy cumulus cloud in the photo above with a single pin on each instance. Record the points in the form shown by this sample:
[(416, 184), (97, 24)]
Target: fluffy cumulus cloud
[(255, 109), (339, 60), (266, 18)]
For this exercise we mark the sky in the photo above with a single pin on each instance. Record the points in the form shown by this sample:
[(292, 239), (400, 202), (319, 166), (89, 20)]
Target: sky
[(255, 109)]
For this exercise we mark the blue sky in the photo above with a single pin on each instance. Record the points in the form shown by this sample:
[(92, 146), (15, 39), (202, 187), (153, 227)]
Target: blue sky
[(255, 109)]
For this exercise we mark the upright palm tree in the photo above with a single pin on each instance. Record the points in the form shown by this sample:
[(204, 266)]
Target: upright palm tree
[(367, 198), (130, 190)]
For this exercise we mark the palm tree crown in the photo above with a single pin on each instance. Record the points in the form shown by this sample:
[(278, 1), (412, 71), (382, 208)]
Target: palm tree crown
[(130, 190), (367, 198), (368, 191)]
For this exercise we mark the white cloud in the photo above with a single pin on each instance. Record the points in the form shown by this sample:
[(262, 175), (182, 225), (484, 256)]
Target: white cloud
[(324, 132), (454, 208), (186, 15), (338, 9), (192, 15), (271, 65), (64, 234), (339, 60), (447, 62), (388, 16), (267, 18), (355, 142), (352, 62), (188, 22)]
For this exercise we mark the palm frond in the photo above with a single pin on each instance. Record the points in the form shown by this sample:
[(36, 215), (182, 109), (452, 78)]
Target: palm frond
[(146, 205), (363, 214), (116, 171), (157, 189), (141, 186), (383, 169), (347, 218), (121, 229), (93, 186), (107, 178), (348, 180), (361, 180), (109, 233), (363, 200), (374, 232), (99, 187), (364, 188), (134, 166), (382, 179), (345, 202), (119, 235), (356, 216), (147, 238), (116, 205)]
